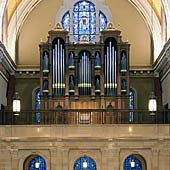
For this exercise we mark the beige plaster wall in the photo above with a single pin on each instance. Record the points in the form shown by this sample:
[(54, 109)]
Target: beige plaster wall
[(124, 14)]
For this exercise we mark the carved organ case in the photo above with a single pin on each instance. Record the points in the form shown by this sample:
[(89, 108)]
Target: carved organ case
[(84, 75)]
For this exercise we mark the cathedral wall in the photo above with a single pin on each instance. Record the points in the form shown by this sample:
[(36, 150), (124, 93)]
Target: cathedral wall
[(26, 87), (107, 145), (142, 86), (3, 90), (165, 90), (42, 19)]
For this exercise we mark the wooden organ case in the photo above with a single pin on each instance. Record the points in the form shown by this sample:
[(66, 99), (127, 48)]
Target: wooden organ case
[(84, 75)]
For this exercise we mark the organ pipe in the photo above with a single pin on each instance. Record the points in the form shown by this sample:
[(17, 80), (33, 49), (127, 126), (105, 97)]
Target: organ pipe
[(84, 75), (110, 70), (58, 69)]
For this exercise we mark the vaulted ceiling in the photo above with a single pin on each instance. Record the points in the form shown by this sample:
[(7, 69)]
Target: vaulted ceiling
[(146, 24), (12, 5)]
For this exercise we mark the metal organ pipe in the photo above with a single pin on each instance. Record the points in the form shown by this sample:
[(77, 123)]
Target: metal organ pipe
[(58, 66), (53, 71), (110, 70), (115, 72), (61, 70), (84, 74), (107, 73), (113, 69), (110, 67), (58, 69)]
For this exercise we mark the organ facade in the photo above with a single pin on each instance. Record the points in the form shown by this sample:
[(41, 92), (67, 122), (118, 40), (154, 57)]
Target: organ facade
[(84, 74)]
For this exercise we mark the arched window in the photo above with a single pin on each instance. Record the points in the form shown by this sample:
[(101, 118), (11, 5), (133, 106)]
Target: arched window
[(35, 162), (132, 162), (37, 104), (102, 21), (85, 163), (37, 99), (66, 21), (131, 104), (84, 21)]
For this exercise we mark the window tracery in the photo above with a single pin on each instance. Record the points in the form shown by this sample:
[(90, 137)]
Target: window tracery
[(85, 163), (84, 20)]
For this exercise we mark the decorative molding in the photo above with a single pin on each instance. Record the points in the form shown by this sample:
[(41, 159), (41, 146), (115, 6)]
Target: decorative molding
[(6, 60), (162, 64), (141, 73)]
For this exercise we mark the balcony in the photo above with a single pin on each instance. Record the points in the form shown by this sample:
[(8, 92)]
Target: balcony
[(84, 117)]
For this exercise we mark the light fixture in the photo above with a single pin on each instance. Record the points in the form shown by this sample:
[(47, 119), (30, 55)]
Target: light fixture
[(132, 163), (130, 129), (152, 104), (16, 104), (37, 164), (84, 164)]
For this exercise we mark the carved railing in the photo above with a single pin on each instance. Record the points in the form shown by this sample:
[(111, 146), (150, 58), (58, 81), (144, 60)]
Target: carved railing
[(84, 116)]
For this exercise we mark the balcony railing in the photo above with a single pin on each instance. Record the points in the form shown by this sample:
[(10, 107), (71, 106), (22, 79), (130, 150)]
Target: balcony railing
[(84, 116)]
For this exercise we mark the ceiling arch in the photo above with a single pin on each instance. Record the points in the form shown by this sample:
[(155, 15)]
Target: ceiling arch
[(150, 11)]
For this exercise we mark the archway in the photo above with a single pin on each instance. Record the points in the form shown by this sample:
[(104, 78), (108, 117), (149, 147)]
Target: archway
[(134, 162), (85, 163), (34, 162)]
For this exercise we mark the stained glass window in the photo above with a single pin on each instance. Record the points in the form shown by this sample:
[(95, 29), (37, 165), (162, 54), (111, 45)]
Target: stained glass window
[(37, 105), (84, 20), (66, 21), (37, 163), (85, 163), (102, 21), (131, 104), (132, 163)]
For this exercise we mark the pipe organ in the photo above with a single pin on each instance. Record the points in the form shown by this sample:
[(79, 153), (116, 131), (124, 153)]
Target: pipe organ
[(84, 75)]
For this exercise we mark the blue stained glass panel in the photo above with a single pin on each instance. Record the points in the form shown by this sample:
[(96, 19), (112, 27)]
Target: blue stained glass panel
[(37, 99), (102, 21), (66, 21), (37, 105), (131, 104), (85, 163), (37, 163), (137, 163), (84, 20)]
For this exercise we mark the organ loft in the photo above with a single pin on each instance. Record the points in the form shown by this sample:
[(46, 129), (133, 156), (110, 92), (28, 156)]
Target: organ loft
[(84, 75)]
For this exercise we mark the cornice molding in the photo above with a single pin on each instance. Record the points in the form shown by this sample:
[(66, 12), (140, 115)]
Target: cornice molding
[(25, 7), (162, 64), (6, 60)]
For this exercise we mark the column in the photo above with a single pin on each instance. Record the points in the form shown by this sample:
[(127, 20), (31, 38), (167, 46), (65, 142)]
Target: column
[(14, 159), (154, 161), (5, 159), (65, 163), (56, 158), (164, 159)]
